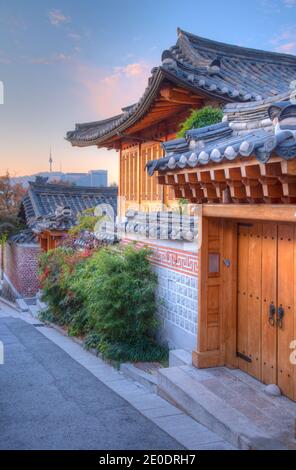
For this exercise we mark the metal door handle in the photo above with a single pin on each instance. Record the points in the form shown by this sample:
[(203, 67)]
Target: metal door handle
[(281, 313), (271, 314)]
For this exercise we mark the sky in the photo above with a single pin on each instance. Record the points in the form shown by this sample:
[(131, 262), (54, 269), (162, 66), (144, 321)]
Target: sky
[(68, 61)]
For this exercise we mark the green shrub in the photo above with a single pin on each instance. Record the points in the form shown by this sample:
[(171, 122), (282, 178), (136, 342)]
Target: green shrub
[(57, 268), (120, 288), (87, 220), (92, 340), (146, 350), (200, 118), (108, 296)]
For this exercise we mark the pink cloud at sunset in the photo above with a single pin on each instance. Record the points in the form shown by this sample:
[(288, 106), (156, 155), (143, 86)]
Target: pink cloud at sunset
[(288, 48), (285, 41), (107, 91)]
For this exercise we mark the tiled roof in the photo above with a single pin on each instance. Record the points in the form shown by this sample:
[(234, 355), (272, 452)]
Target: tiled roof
[(208, 68), (153, 225), (45, 200), (260, 131), (25, 236)]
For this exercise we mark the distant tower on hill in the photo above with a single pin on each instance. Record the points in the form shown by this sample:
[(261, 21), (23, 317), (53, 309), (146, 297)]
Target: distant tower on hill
[(50, 161)]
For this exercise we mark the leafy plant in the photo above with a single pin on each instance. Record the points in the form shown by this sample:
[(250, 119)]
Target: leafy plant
[(86, 221), (109, 296), (92, 340), (145, 350), (200, 118)]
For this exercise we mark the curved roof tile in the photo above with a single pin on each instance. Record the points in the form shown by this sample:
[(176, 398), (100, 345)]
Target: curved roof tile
[(218, 70)]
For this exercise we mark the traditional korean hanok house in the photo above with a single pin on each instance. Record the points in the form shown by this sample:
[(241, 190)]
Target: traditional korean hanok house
[(241, 175), (49, 211)]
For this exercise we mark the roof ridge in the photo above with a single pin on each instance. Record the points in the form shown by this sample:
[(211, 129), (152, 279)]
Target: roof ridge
[(94, 123), (241, 51)]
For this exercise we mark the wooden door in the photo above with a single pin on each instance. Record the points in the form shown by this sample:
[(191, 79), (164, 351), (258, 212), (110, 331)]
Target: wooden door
[(266, 301), (249, 298), (269, 304), (286, 301)]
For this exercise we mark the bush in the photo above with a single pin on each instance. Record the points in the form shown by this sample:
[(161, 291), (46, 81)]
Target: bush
[(120, 289), (108, 296), (146, 350), (57, 270), (200, 118)]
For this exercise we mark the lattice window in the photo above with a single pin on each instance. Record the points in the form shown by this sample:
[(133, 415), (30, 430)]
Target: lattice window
[(129, 173)]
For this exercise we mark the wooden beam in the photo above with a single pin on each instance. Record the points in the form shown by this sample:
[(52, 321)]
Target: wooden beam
[(271, 169), (278, 212), (177, 96), (289, 185), (191, 178), (272, 187), (237, 189)]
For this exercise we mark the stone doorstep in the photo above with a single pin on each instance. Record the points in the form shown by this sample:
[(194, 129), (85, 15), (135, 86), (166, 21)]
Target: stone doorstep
[(149, 381), (179, 386), (179, 357)]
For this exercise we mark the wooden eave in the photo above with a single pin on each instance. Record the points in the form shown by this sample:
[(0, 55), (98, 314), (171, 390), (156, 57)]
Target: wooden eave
[(170, 101), (146, 114), (242, 181)]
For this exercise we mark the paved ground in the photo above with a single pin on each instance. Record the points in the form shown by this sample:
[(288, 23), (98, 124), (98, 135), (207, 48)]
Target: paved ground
[(49, 401), (55, 395)]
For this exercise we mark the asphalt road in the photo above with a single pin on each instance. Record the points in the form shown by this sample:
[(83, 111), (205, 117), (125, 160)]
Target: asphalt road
[(49, 401)]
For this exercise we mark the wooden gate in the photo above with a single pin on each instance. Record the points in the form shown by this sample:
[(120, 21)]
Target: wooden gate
[(266, 304)]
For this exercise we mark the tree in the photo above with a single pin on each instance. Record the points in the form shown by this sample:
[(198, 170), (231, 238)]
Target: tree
[(10, 195), (200, 118)]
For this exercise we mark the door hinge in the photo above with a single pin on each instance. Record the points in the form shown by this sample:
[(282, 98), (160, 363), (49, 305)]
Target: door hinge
[(243, 356)]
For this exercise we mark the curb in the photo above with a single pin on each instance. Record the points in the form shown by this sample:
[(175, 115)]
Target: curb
[(10, 304), (149, 381)]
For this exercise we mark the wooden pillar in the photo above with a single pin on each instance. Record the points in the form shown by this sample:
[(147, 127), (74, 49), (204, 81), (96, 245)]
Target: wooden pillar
[(208, 352)]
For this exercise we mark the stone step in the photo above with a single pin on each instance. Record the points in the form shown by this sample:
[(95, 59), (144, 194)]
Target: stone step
[(179, 357), (149, 381), (34, 310), (177, 385)]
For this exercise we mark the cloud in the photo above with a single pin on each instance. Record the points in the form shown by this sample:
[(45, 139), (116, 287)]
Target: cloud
[(107, 91), (132, 70), (288, 48), (285, 41), (56, 18)]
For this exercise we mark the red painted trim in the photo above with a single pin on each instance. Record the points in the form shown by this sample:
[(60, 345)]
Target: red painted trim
[(178, 260)]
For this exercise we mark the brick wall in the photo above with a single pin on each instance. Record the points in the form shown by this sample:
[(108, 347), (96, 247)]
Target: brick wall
[(21, 267)]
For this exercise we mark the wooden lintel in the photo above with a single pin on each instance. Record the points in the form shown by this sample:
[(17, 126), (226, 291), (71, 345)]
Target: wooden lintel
[(278, 212)]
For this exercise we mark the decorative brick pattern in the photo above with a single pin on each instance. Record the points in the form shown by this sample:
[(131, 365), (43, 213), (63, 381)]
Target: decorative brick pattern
[(180, 261), (177, 298), (184, 262), (21, 267)]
